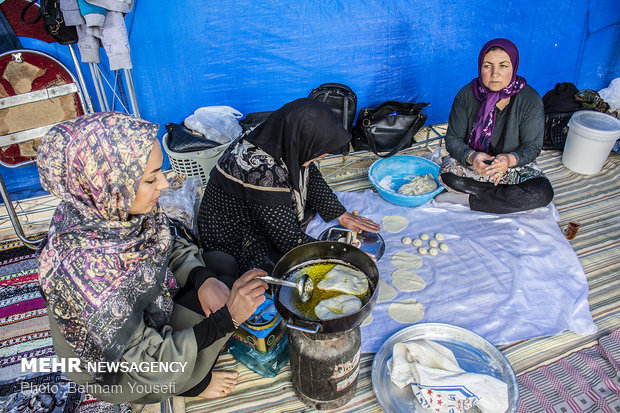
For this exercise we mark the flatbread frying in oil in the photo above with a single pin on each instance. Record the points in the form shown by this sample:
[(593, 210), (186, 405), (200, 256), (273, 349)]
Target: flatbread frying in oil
[(344, 279), (338, 306)]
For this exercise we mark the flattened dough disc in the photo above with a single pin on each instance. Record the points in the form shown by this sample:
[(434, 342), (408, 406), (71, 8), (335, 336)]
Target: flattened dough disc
[(407, 281), (394, 223), (386, 292), (406, 311), (406, 261)]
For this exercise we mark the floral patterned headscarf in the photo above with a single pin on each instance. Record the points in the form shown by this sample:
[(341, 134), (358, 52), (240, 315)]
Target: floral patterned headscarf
[(102, 270)]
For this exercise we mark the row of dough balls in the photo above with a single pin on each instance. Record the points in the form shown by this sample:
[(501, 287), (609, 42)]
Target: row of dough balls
[(434, 244)]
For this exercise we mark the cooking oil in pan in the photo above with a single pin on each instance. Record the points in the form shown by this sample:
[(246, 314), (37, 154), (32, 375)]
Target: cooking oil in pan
[(317, 271)]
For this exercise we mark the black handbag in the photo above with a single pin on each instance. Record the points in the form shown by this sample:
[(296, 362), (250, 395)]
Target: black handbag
[(342, 101), (53, 21), (181, 139), (388, 128)]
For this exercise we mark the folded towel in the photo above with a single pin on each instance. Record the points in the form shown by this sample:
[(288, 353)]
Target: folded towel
[(440, 384)]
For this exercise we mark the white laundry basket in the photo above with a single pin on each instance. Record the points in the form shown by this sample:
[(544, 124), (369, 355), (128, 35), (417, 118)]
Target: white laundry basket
[(197, 163)]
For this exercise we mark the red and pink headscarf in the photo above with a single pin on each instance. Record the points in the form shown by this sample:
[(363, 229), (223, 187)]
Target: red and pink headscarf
[(480, 135)]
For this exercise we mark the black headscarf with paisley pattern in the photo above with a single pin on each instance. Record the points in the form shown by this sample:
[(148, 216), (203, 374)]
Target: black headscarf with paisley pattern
[(298, 132), (265, 165), (102, 271)]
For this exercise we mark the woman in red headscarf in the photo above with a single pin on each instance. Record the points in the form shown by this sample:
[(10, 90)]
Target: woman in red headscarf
[(495, 133)]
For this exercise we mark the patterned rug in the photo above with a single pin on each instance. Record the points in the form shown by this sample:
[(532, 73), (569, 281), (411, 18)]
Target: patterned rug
[(25, 335), (585, 381)]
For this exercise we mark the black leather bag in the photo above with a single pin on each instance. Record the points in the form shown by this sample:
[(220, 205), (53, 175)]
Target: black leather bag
[(183, 140), (343, 102), (53, 21), (340, 98), (388, 128)]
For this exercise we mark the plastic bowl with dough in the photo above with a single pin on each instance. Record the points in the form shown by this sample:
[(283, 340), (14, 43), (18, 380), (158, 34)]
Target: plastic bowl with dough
[(389, 174)]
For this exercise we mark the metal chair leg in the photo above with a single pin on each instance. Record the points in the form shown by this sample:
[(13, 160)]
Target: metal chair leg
[(17, 226), (166, 406)]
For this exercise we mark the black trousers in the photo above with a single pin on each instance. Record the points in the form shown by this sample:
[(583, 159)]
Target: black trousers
[(502, 199)]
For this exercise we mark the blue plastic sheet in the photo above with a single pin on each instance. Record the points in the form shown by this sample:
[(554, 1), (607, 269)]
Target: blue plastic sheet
[(256, 56)]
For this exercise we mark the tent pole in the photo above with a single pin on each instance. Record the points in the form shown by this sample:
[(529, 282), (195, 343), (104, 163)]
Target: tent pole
[(103, 102), (78, 70), (132, 93)]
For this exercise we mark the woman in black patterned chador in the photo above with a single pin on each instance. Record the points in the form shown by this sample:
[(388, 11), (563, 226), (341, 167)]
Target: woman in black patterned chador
[(265, 187)]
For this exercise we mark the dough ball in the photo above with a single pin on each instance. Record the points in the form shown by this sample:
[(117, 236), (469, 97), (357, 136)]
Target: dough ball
[(406, 240), (433, 243), (394, 223), (424, 236), (433, 251), (407, 281), (417, 242), (338, 306), (367, 320), (344, 279), (443, 247), (406, 261), (406, 311), (386, 292), (422, 251), (439, 236)]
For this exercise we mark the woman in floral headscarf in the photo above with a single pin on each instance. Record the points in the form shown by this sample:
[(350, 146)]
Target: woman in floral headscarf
[(495, 133), (105, 269)]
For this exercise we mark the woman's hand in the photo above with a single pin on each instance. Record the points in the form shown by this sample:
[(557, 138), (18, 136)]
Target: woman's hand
[(358, 223), (478, 162), (212, 295), (246, 295), (499, 166)]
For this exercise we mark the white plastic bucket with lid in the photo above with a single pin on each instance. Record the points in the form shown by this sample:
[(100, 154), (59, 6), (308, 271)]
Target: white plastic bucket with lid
[(591, 136)]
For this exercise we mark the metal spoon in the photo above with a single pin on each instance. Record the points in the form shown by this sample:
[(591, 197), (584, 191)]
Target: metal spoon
[(305, 286)]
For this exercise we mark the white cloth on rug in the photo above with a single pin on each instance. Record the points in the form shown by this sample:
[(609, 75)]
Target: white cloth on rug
[(505, 277), (438, 382)]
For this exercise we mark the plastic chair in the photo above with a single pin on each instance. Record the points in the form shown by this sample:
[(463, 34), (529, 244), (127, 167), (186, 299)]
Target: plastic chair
[(36, 92)]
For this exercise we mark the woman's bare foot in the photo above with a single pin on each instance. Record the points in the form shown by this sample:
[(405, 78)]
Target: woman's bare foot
[(221, 384)]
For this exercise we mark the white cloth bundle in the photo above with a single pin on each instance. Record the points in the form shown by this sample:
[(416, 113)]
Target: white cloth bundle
[(439, 383)]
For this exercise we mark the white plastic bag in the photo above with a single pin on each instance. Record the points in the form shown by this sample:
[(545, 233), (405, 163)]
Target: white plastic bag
[(181, 200), (217, 123), (611, 94)]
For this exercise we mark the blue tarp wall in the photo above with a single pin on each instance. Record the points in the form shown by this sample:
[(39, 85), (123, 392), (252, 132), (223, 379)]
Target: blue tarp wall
[(256, 56)]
